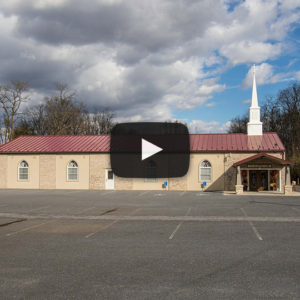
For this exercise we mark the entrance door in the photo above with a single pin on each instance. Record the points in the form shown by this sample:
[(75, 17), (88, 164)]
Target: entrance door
[(258, 180), (109, 179), (263, 180)]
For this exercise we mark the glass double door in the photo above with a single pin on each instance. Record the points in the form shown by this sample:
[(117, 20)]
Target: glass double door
[(258, 180)]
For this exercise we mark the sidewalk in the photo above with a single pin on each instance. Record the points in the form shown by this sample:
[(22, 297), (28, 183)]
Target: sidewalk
[(263, 193)]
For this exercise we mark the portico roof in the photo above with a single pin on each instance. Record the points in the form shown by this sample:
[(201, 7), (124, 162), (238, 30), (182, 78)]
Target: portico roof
[(264, 155)]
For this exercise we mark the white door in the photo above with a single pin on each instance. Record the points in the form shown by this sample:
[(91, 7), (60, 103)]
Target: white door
[(109, 179)]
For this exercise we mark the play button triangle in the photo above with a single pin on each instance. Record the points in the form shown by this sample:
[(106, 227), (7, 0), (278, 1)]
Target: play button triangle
[(149, 149)]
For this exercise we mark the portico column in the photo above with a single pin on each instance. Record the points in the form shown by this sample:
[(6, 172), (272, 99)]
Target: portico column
[(288, 187), (239, 186), (238, 176), (288, 176)]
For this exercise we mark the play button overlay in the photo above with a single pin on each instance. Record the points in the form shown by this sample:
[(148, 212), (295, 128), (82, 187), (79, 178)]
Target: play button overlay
[(150, 150)]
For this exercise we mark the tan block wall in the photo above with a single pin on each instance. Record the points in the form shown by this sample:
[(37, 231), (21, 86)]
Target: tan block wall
[(62, 161), (178, 183), (50, 172), (191, 181), (223, 172), (3, 171), (12, 172), (47, 171), (123, 183), (98, 164), (193, 175), (141, 184)]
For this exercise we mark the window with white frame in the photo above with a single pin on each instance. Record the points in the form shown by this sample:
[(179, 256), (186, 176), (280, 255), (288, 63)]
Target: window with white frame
[(23, 170), (72, 171), (205, 171)]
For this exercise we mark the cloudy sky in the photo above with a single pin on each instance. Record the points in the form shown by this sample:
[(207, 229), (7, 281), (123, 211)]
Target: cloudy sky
[(153, 60)]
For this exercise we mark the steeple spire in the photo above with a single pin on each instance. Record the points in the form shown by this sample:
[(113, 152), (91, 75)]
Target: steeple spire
[(254, 102), (254, 126)]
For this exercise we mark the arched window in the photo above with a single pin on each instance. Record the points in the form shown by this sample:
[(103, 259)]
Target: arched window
[(23, 170), (205, 171), (72, 170), (150, 175)]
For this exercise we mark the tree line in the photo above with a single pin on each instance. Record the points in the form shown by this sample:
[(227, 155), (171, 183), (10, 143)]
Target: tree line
[(58, 114), (281, 114)]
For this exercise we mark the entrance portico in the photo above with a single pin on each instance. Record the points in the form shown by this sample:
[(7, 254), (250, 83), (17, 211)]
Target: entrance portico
[(263, 172)]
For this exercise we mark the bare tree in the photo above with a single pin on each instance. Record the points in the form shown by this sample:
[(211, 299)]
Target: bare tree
[(62, 114), (100, 122), (11, 97), (35, 119), (270, 115), (288, 102), (238, 125), (3, 130), (23, 128)]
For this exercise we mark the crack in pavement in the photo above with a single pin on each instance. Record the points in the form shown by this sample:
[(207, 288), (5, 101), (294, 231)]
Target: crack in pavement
[(12, 222)]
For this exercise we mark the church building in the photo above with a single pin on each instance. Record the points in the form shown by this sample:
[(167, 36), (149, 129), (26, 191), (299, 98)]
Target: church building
[(218, 162)]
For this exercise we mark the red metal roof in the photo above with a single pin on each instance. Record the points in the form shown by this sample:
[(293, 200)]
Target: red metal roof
[(262, 155), (234, 142), (57, 144)]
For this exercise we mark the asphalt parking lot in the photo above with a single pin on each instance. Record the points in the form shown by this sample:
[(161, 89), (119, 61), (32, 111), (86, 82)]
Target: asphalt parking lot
[(148, 244)]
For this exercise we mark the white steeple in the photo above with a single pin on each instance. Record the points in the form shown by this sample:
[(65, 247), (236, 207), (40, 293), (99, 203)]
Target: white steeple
[(254, 126), (254, 102)]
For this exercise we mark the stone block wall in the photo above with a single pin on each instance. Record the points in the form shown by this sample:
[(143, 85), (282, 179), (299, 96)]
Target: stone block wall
[(47, 171), (98, 164), (123, 183), (178, 184), (3, 171)]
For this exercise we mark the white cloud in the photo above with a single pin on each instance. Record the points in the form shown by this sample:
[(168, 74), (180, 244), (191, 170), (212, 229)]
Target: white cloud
[(199, 126), (264, 74), (249, 51), (210, 104), (248, 101), (159, 112), (289, 4), (297, 75), (44, 4), (142, 59)]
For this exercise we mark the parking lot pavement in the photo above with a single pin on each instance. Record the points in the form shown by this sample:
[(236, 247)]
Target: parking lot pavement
[(148, 244)]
